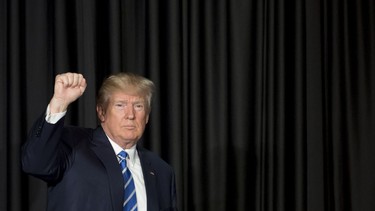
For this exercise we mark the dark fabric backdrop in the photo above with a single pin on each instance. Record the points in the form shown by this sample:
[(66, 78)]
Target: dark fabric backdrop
[(260, 104)]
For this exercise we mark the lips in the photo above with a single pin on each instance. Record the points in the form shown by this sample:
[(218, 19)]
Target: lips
[(129, 126)]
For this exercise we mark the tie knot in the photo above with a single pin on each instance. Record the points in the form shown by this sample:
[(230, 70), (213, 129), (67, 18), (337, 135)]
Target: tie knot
[(122, 155)]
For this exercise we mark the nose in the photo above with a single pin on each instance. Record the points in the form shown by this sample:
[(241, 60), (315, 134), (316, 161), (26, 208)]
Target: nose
[(129, 113)]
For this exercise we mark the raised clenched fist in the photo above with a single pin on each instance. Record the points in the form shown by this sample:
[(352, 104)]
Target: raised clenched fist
[(68, 88)]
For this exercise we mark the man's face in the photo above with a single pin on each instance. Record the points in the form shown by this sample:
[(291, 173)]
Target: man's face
[(125, 118)]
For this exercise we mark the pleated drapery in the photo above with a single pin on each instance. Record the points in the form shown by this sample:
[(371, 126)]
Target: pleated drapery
[(260, 104)]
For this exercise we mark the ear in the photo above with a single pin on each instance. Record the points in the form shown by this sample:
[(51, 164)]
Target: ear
[(147, 117), (100, 112)]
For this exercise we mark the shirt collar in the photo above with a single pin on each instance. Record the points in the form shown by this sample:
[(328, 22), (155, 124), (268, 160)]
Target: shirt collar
[(131, 152)]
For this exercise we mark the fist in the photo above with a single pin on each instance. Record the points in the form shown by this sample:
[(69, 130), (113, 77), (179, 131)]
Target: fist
[(68, 88)]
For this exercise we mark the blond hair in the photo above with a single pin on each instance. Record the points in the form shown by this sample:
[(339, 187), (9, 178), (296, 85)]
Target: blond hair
[(125, 82)]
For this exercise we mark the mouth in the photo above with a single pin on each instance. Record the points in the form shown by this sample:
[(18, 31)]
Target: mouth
[(129, 127)]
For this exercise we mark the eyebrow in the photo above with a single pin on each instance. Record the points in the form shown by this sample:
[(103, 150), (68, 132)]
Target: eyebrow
[(127, 101)]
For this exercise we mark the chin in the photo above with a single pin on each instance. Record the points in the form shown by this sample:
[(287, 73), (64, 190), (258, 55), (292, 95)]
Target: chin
[(130, 139)]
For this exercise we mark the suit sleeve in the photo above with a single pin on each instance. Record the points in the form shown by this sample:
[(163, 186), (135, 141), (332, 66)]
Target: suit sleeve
[(42, 153)]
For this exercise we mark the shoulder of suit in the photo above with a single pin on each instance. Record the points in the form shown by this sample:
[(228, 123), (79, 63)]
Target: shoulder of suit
[(152, 157)]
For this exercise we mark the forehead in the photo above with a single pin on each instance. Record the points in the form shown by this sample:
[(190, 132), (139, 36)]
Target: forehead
[(126, 96)]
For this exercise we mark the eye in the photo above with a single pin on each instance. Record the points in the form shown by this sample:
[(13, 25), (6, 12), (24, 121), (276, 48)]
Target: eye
[(120, 105), (139, 106)]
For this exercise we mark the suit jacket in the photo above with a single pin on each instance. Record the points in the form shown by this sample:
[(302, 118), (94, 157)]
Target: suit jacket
[(82, 171)]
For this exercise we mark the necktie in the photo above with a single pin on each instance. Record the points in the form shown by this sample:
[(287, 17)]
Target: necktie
[(130, 198)]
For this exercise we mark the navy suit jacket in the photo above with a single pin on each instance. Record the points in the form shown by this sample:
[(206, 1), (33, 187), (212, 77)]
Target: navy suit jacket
[(82, 171)]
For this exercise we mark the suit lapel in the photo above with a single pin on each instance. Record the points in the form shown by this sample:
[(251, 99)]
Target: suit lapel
[(149, 176), (104, 151)]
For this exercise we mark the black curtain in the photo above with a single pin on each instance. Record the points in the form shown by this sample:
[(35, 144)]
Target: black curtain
[(260, 104)]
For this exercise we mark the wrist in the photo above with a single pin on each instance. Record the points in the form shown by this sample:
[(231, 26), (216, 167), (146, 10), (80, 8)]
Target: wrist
[(57, 105)]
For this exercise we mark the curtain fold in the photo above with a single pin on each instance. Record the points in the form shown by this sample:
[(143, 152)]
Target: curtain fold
[(260, 105)]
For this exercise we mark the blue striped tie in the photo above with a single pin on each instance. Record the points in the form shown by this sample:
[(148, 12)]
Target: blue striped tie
[(130, 198)]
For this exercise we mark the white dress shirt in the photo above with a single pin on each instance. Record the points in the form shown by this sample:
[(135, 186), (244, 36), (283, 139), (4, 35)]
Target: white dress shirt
[(133, 163)]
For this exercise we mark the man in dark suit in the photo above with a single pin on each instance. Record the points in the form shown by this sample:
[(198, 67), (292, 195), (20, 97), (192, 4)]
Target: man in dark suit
[(84, 168)]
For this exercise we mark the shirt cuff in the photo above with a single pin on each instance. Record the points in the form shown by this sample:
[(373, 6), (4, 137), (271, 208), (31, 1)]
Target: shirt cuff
[(53, 118)]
